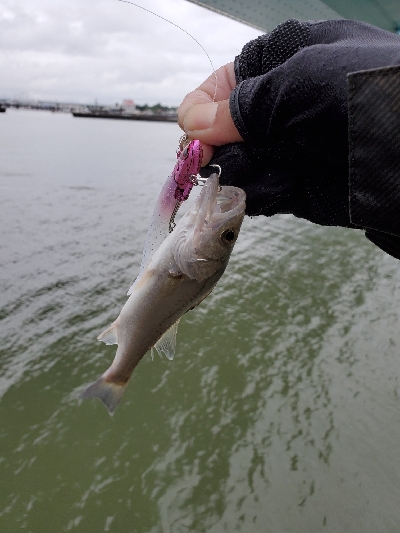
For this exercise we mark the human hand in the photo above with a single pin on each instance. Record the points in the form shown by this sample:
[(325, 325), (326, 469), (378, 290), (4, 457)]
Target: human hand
[(289, 103), (207, 120)]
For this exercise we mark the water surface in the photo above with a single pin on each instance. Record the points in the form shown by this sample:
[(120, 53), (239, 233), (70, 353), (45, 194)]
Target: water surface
[(281, 410)]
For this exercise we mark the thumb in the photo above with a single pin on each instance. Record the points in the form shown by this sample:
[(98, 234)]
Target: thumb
[(211, 123)]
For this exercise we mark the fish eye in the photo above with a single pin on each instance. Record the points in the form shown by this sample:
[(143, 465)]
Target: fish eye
[(228, 236)]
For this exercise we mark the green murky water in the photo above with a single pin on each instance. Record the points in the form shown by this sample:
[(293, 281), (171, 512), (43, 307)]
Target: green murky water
[(281, 410)]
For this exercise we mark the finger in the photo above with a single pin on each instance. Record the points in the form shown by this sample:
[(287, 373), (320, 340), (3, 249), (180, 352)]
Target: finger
[(211, 123), (208, 152), (216, 87), (195, 97)]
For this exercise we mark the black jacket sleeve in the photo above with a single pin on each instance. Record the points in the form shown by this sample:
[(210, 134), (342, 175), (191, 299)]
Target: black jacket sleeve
[(318, 107)]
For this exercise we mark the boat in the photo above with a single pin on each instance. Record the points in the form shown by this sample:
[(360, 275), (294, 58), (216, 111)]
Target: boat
[(2, 109), (153, 117)]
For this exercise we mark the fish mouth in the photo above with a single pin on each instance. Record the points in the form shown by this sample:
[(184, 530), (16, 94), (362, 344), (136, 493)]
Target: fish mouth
[(216, 204), (230, 200)]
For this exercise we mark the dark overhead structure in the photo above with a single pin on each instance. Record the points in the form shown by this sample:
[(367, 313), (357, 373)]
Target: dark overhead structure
[(266, 14)]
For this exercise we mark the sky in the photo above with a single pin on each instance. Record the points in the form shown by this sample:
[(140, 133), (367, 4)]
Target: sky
[(106, 50)]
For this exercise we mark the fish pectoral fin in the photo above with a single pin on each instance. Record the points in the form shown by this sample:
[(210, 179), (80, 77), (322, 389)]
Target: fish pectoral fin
[(167, 343), (109, 336)]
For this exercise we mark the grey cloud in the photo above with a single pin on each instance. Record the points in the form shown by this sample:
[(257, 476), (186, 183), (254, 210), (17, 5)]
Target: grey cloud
[(74, 50)]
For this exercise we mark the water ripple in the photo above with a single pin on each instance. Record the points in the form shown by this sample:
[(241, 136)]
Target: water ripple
[(280, 411)]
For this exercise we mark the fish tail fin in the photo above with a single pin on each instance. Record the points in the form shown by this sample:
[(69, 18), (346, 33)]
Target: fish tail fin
[(106, 391)]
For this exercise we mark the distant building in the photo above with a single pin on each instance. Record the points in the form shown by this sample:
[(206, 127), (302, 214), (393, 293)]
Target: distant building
[(129, 105)]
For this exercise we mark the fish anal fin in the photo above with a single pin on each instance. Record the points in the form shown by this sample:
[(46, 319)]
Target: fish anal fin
[(167, 344), (109, 335), (106, 391)]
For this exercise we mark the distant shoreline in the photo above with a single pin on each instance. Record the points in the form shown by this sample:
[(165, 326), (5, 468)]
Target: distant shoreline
[(152, 118)]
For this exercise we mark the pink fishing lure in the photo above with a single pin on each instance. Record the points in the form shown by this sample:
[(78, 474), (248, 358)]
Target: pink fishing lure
[(187, 166), (174, 191)]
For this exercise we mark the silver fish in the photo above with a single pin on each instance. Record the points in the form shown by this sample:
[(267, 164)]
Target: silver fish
[(182, 272)]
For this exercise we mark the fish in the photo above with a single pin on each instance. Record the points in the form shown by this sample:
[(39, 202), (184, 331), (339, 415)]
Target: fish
[(181, 273), (175, 190)]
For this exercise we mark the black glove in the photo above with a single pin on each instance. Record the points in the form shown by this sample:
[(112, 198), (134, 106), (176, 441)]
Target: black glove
[(291, 108)]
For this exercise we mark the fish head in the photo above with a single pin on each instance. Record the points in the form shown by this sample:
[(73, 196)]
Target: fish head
[(207, 233)]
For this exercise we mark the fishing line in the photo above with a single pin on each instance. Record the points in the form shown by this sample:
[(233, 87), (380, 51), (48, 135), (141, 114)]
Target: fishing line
[(187, 33)]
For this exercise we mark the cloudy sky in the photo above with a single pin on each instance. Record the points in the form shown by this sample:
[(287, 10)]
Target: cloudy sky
[(82, 50)]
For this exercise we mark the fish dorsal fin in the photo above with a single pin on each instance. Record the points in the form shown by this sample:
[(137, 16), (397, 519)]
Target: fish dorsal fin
[(167, 343), (131, 287), (109, 336)]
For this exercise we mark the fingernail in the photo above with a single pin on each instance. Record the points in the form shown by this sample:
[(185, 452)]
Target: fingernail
[(200, 117)]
